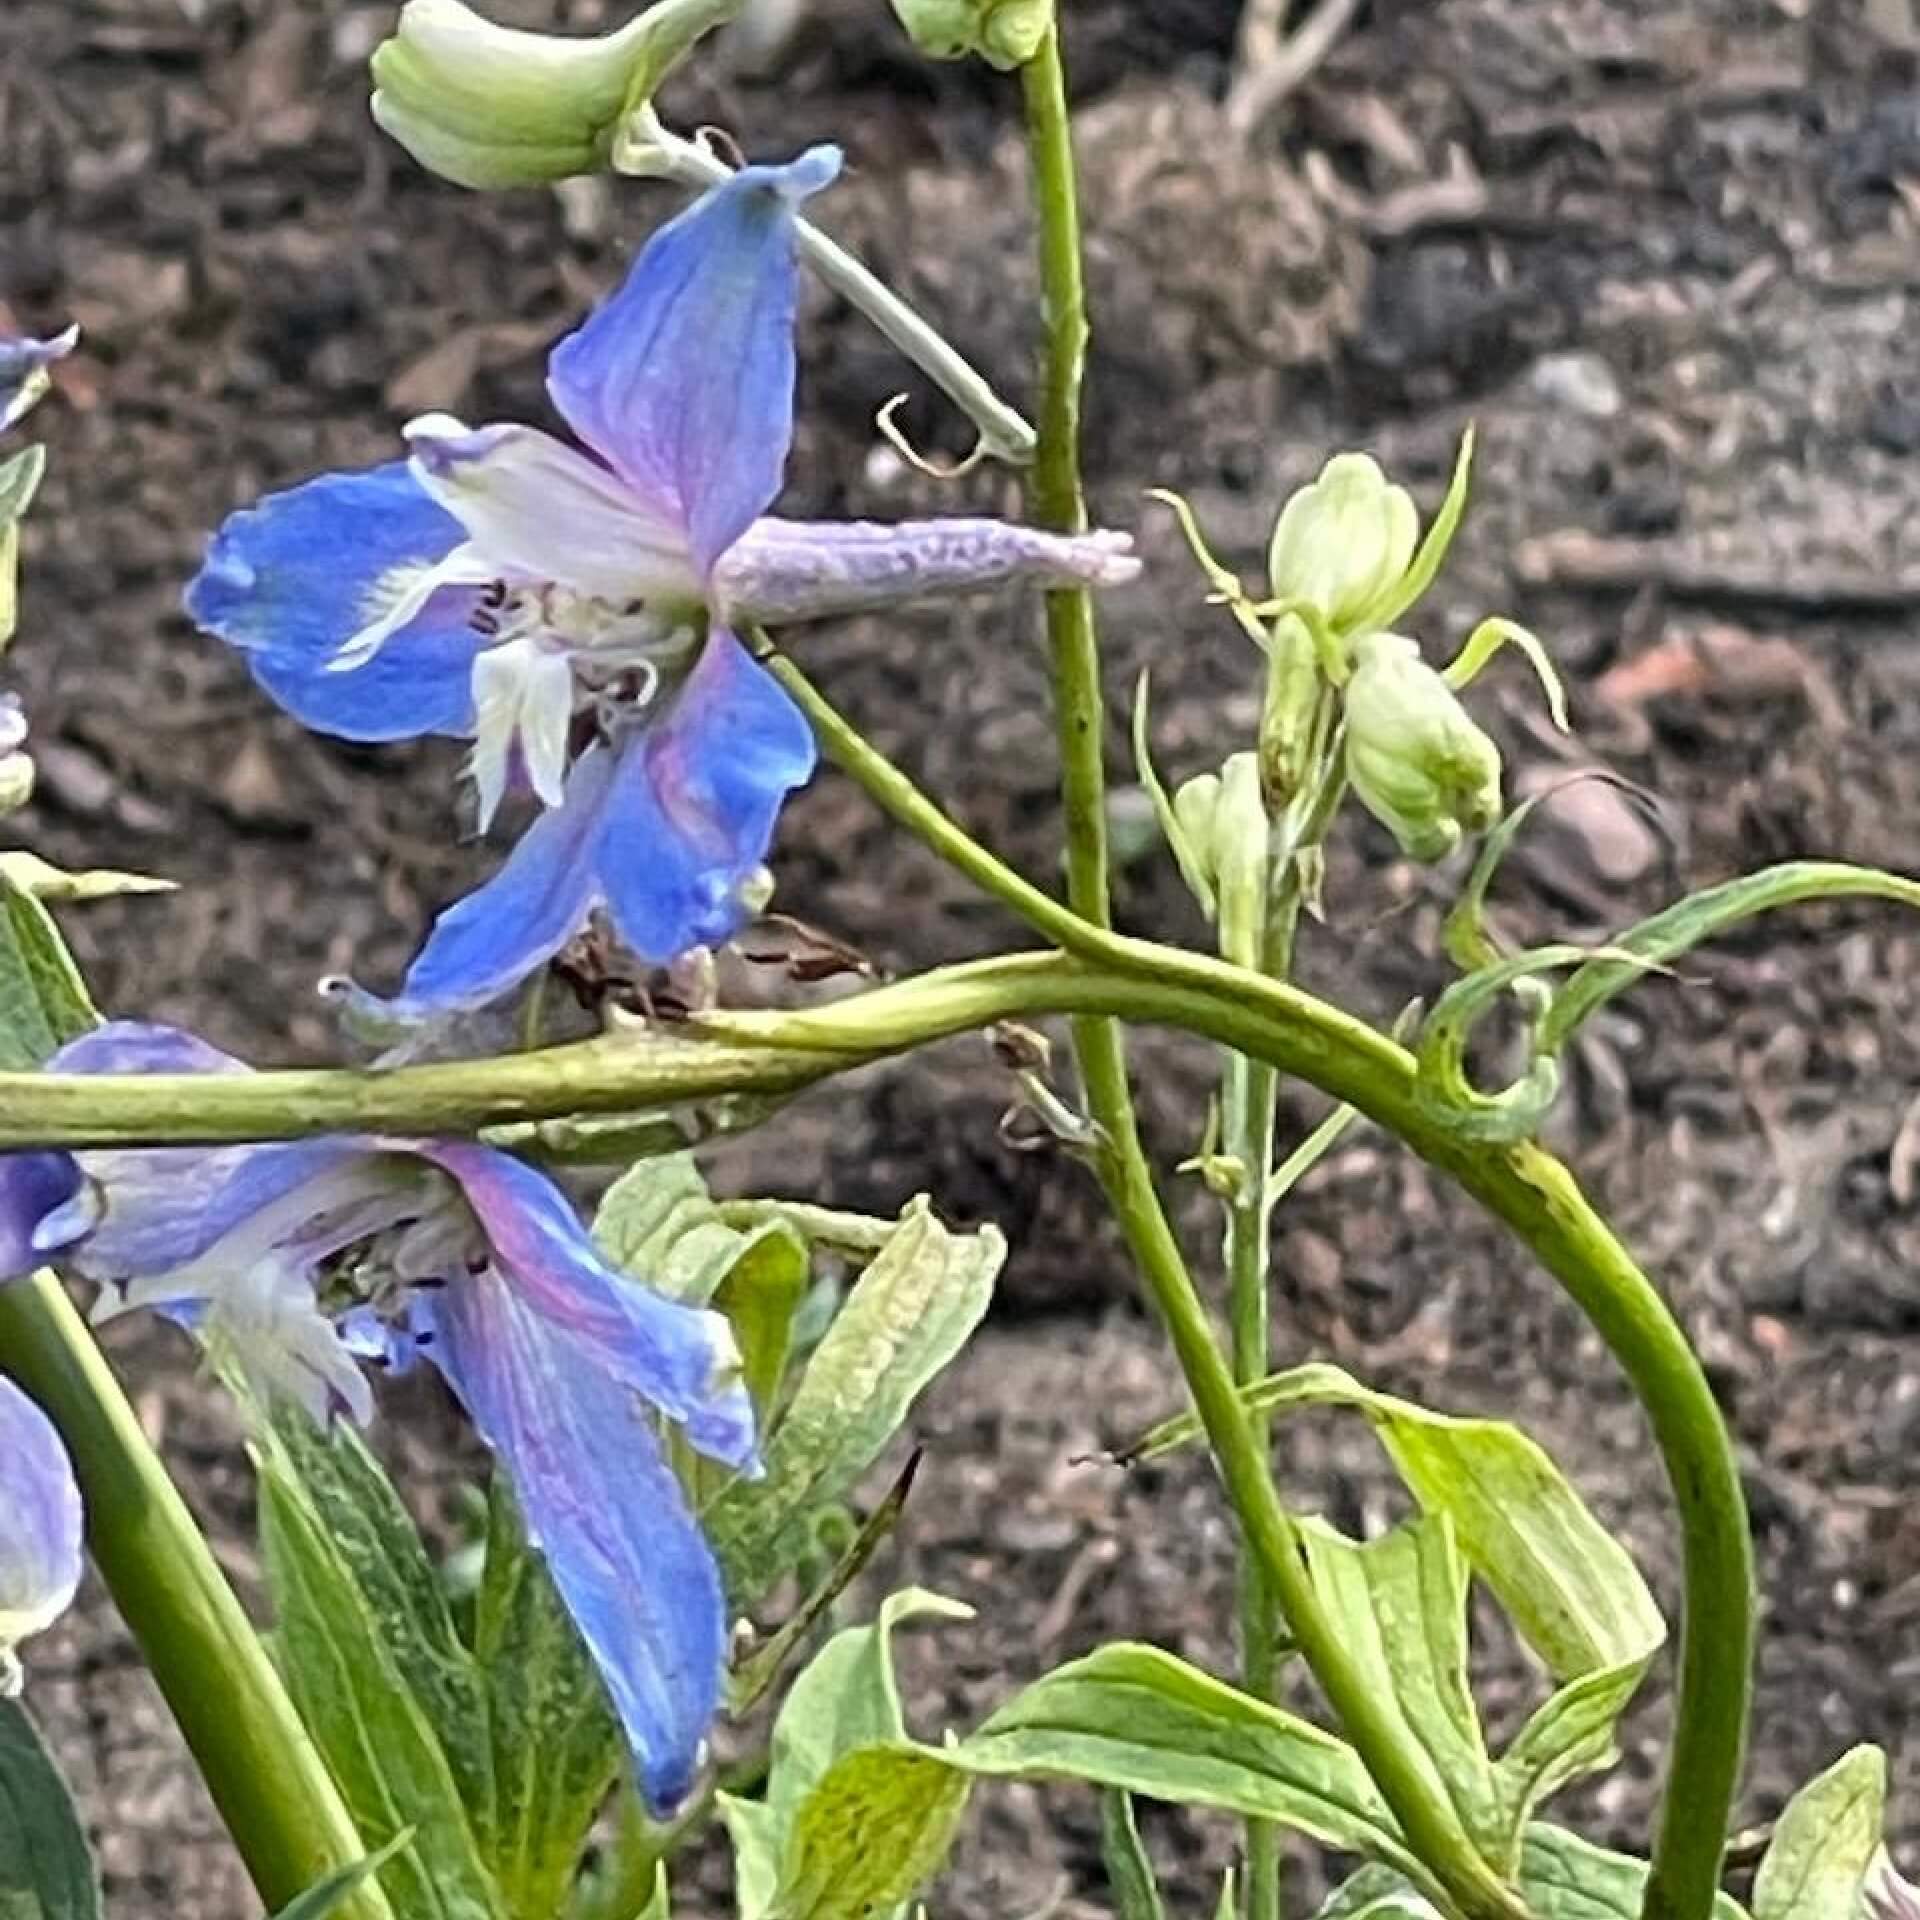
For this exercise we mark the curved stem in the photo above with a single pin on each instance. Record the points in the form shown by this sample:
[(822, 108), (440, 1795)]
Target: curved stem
[(265, 1774)]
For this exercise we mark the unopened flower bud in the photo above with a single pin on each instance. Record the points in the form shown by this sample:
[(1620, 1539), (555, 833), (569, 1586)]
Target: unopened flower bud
[(16, 770), (1416, 758), (1223, 818), (1287, 710), (1004, 33), (1343, 540), (492, 106)]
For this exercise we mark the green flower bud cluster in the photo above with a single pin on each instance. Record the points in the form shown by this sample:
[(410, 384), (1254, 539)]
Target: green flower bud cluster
[(1004, 33), (1416, 759), (491, 106)]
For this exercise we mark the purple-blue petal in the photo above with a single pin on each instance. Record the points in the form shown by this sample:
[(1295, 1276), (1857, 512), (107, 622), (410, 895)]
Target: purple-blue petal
[(486, 944), (40, 1521), (697, 796), (34, 1187), (682, 381), (682, 1359), (290, 580), (23, 370), (625, 1553), (159, 1207)]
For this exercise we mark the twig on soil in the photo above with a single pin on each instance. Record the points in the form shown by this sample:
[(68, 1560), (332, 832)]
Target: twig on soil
[(1596, 564), (1271, 67)]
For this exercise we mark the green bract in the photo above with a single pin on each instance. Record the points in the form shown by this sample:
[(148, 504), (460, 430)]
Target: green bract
[(493, 106), (1004, 33), (1342, 541), (1416, 758)]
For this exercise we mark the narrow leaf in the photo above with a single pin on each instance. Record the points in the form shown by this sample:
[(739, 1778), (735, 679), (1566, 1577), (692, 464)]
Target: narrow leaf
[(46, 1870), (906, 1317), (324, 1896), (556, 1746), (1136, 1893), (1825, 1842), (361, 1708), (1400, 1603)]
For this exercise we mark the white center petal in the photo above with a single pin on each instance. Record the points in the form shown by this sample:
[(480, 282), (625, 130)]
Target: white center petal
[(536, 507), (400, 595), (521, 691)]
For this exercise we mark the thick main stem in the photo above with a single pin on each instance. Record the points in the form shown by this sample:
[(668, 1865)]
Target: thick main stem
[(264, 1772), (1426, 1815)]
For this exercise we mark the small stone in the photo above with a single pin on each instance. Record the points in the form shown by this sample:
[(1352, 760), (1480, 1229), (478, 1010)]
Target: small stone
[(1579, 383)]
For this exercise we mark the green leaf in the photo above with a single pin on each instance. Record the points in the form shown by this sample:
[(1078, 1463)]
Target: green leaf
[(1133, 1717), (906, 1317), (556, 1746), (1563, 1877), (43, 1000), (760, 1296), (844, 1700), (377, 1673), (46, 1870), (1136, 1893), (375, 1541), (1824, 1843), (1570, 1588), (325, 1895), (877, 1825), (659, 1222), (20, 476), (1400, 1606)]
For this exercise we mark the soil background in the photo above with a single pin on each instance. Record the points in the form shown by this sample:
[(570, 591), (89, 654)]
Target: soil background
[(1663, 255)]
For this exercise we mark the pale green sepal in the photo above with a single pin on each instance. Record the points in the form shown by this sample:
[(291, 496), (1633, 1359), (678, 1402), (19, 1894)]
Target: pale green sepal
[(491, 106), (45, 881)]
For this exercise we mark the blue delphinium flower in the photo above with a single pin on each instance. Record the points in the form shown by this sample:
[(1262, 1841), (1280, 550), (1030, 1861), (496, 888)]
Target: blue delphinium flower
[(295, 1261), (500, 582), (39, 1527)]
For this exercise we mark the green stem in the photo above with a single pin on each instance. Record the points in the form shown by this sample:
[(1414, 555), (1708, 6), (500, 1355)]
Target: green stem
[(266, 1777), (1430, 1823)]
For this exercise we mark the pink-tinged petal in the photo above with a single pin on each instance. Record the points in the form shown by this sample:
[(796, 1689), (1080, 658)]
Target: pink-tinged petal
[(697, 797), (788, 570), (40, 1525), (537, 509), (681, 1359), (625, 1554), (683, 380)]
